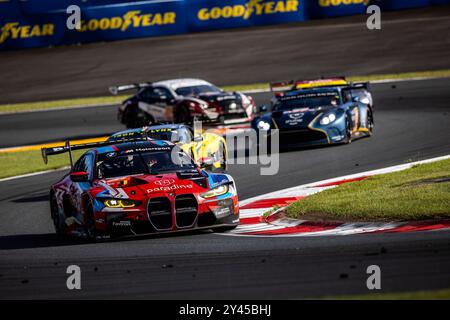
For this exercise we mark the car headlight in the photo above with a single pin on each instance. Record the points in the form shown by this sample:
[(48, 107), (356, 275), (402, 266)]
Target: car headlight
[(262, 125), (120, 203), (328, 119), (217, 191)]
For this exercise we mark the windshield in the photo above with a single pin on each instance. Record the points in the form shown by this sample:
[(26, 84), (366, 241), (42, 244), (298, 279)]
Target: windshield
[(144, 163), (310, 100), (196, 90), (166, 135)]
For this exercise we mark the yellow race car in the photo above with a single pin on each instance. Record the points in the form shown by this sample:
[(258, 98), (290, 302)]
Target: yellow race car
[(208, 149)]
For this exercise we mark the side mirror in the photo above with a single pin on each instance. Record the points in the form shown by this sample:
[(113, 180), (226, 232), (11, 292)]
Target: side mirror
[(355, 99), (262, 108), (80, 176)]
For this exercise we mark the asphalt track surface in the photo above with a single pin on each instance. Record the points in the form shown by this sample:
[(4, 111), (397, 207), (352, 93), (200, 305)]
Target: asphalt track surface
[(411, 121), (410, 40)]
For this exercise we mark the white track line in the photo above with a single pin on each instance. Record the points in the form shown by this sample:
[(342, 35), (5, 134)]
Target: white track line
[(33, 174)]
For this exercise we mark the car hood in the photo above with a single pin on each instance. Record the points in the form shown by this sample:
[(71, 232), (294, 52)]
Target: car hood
[(140, 185), (295, 119)]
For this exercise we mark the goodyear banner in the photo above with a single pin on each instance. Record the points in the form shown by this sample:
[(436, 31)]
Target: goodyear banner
[(41, 23), (333, 8), (316, 9), (219, 14), (98, 23), (131, 21)]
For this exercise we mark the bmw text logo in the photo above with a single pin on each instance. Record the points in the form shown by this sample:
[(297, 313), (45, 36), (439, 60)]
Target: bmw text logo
[(165, 182)]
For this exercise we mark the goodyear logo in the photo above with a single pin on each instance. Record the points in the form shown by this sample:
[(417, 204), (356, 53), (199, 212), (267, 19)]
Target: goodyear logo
[(335, 3), (251, 8), (14, 30), (131, 19)]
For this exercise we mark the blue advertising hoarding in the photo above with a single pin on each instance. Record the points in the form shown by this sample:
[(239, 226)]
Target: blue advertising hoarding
[(317, 9), (98, 23), (41, 23)]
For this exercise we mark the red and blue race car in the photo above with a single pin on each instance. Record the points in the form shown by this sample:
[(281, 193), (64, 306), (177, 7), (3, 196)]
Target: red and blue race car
[(139, 187)]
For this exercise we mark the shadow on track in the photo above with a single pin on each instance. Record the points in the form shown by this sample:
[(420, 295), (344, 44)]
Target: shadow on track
[(35, 198), (31, 241)]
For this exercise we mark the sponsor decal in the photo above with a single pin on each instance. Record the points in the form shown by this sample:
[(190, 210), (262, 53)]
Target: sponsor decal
[(130, 19), (295, 119), (14, 30), (250, 9), (152, 149), (336, 3), (121, 224), (170, 188), (165, 182), (296, 115), (160, 130)]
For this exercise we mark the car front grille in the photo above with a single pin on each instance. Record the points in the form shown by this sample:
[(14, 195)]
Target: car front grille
[(159, 212), (186, 210), (301, 136)]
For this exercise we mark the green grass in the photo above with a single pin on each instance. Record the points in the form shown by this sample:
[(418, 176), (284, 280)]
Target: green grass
[(67, 103), (404, 75), (418, 295), (421, 192), (93, 101), (17, 163)]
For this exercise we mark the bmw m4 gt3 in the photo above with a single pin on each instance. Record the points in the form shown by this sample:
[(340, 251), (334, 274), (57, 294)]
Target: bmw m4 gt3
[(139, 187)]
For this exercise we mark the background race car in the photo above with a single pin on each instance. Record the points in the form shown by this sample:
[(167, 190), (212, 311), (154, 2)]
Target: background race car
[(207, 149), (182, 100), (325, 111), (137, 187)]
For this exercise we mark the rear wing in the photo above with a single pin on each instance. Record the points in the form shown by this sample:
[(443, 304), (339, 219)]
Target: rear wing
[(45, 152), (306, 84), (360, 85), (114, 90), (281, 86)]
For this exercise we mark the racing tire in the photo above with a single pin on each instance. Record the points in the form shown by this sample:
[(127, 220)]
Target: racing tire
[(348, 131), (133, 117), (183, 116), (370, 122), (138, 122), (56, 216), (90, 229)]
